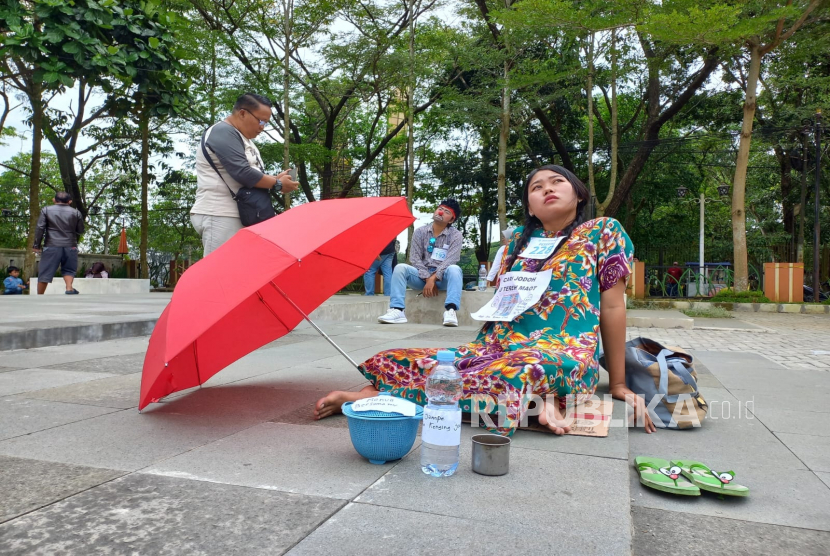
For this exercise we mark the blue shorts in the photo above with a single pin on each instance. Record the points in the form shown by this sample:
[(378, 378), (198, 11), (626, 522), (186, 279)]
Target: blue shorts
[(52, 257)]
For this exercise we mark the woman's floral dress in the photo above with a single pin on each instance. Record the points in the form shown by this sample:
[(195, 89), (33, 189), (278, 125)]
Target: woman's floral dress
[(550, 349)]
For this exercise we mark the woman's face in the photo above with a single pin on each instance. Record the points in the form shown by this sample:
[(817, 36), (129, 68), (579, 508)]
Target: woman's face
[(551, 197)]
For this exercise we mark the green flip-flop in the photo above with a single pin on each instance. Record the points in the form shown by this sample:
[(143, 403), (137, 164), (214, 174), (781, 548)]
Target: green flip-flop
[(661, 475), (719, 482)]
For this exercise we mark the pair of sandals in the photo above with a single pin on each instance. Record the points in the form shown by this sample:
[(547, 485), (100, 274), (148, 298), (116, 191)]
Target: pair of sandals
[(686, 477)]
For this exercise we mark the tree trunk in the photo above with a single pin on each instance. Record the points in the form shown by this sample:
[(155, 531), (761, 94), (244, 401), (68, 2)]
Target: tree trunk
[(34, 176), (504, 132), (590, 94), (787, 209), (286, 160), (410, 135), (106, 236), (612, 180), (741, 164), (144, 125), (555, 138), (802, 206)]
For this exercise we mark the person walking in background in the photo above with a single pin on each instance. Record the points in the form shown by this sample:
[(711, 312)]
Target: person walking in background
[(384, 263), (236, 163), (673, 279), (435, 253), (59, 227)]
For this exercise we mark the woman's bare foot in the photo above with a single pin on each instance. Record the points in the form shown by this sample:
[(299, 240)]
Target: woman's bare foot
[(333, 401), (552, 418)]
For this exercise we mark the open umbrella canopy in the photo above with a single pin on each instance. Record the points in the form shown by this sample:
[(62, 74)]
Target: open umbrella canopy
[(234, 300)]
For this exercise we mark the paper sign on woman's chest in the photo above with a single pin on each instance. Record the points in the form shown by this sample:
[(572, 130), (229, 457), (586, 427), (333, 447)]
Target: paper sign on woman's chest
[(518, 292)]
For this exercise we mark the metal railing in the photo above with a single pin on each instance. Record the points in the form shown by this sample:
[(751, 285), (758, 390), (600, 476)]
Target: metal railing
[(693, 282)]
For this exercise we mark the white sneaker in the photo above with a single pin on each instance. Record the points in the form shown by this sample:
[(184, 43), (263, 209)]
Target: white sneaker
[(449, 318), (393, 316)]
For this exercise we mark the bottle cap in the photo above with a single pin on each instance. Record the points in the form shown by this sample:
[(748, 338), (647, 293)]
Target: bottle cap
[(446, 356)]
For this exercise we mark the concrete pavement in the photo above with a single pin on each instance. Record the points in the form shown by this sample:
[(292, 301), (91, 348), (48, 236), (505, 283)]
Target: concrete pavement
[(239, 467)]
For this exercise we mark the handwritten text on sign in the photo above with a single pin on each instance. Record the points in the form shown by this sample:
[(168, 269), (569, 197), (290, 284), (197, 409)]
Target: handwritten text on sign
[(518, 292), (385, 403), (540, 247), (442, 428)]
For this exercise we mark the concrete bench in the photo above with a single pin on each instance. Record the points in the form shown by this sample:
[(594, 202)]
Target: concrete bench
[(422, 310), (95, 286)]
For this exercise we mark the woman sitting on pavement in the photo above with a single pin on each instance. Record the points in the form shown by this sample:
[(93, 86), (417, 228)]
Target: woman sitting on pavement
[(550, 350)]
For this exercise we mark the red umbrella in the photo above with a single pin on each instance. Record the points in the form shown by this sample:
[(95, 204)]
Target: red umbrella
[(122, 245), (261, 283)]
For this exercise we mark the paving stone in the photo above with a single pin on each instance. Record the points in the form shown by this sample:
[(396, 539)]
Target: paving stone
[(304, 416), (584, 491), (726, 438), (795, 498), (459, 336), (31, 358), (759, 374), (7, 369), (724, 324), (19, 416), (663, 533), (798, 422), (307, 460), (128, 440), (311, 376), (615, 445), (814, 451), (142, 514), (120, 392), (29, 380), (357, 529), (29, 484), (119, 365), (825, 477), (788, 398)]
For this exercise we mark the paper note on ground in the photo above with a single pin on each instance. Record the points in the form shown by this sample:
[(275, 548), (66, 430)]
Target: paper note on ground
[(385, 403)]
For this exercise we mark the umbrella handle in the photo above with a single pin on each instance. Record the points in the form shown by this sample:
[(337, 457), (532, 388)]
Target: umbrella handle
[(317, 328)]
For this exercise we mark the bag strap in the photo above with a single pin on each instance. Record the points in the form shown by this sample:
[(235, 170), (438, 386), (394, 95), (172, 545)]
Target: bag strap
[(663, 388), (212, 165), (680, 370)]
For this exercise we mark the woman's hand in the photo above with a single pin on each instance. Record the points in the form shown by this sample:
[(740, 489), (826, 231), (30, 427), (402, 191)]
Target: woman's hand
[(622, 392)]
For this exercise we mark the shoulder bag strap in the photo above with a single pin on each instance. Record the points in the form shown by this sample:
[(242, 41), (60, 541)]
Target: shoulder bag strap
[(212, 165)]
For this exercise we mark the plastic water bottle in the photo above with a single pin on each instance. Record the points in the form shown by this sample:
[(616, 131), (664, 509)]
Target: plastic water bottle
[(441, 433), (482, 278)]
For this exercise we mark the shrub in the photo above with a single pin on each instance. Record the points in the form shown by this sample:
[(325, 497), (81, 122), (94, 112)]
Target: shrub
[(727, 295)]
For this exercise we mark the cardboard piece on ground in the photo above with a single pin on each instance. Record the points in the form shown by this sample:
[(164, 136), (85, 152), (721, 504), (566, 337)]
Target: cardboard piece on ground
[(591, 418)]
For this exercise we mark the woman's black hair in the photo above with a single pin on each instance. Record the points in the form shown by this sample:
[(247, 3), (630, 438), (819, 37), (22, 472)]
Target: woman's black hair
[(532, 223)]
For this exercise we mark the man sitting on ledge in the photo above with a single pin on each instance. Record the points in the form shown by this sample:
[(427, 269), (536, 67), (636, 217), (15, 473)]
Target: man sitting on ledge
[(435, 252)]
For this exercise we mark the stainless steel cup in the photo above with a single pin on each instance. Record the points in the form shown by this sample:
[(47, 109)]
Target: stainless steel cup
[(491, 454)]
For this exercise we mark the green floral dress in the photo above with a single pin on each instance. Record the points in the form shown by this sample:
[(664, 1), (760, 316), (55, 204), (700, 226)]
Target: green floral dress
[(550, 349)]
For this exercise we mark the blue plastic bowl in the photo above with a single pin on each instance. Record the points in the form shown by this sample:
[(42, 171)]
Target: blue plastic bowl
[(380, 436)]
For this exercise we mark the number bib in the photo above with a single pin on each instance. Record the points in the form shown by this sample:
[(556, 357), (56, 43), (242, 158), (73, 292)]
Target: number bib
[(440, 254), (540, 247)]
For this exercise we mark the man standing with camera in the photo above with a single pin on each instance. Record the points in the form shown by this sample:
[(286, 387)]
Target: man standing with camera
[(234, 163)]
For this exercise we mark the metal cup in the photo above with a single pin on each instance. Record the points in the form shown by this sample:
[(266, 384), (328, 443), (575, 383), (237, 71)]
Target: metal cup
[(491, 454)]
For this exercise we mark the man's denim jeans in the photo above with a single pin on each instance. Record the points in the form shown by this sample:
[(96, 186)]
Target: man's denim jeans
[(385, 266), (406, 275)]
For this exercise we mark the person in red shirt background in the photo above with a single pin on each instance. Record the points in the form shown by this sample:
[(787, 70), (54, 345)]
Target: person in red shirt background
[(674, 272)]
